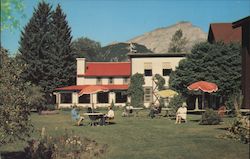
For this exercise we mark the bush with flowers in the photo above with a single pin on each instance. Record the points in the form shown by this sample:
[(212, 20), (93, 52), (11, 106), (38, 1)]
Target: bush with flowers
[(65, 146)]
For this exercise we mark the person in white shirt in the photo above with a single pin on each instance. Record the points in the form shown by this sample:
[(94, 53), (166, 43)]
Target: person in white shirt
[(181, 114), (109, 115)]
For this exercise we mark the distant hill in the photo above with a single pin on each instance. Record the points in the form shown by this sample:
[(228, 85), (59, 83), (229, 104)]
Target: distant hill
[(119, 51), (159, 39)]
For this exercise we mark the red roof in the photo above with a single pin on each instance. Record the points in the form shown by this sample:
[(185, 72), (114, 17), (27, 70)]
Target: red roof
[(224, 32), (106, 69), (80, 87)]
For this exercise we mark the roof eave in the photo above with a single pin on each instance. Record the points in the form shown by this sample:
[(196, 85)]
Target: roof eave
[(241, 22)]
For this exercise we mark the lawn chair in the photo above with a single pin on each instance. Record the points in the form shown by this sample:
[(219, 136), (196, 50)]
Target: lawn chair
[(110, 120)]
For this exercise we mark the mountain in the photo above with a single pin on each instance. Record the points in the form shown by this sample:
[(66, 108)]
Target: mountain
[(119, 51), (159, 39)]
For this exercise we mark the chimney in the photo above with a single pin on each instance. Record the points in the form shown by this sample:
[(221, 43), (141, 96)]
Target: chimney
[(81, 64)]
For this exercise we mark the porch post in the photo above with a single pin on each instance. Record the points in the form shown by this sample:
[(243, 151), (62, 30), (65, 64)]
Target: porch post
[(112, 97)]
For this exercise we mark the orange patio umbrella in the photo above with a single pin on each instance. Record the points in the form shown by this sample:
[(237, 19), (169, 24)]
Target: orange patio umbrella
[(204, 86), (92, 89)]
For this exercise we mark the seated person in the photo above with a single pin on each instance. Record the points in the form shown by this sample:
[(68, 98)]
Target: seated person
[(109, 115), (75, 116), (181, 114), (127, 111), (90, 110), (222, 110), (155, 109)]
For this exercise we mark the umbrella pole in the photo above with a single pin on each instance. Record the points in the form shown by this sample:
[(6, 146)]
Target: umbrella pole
[(203, 100), (92, 103), (196, 103)]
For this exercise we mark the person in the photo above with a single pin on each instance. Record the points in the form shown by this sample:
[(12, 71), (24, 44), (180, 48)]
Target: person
[(155, 109), (222, 110), (109, 115), (75, 116), (181, 114)]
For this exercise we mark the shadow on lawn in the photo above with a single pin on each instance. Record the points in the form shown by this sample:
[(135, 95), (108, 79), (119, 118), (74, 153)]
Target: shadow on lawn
[(12, 155), (195, 120), (224, 128)]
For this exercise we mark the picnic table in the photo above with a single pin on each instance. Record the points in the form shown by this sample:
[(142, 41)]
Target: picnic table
[(94, 117)]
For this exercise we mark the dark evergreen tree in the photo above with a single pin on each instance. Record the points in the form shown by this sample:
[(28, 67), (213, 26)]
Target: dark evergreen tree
[(34, 43), (45, 48), (35, 46), (63, 60)]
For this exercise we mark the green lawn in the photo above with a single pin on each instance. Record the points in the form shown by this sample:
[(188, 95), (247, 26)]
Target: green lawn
[(146, 138)]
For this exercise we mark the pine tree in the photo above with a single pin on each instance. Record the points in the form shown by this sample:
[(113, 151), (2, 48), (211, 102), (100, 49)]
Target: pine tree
[(63, 60), (45, 48), (35, 45)]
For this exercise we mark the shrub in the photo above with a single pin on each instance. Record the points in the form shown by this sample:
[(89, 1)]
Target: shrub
[(67, 145), (240, 129), (50, 107), (210, 117), (176, 102)]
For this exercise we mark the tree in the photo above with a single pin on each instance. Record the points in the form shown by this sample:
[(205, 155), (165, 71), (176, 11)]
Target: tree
[(63, 59), (35, 47), (9, 11), (15, 102), (85, 47), (45, 48), (135, 89), (178, 42), (160, 82), (219, 63)]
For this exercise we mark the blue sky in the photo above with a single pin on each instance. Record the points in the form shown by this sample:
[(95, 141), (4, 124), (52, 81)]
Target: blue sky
[(107, 21)]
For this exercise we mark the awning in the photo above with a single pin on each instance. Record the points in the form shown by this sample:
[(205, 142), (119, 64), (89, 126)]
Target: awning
[(93, 89), (81, 87)]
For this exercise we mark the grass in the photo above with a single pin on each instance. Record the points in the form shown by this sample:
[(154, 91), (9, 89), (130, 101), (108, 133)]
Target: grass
[(143, 138)]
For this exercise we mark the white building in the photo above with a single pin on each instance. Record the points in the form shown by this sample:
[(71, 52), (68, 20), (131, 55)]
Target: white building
[(115, 77)]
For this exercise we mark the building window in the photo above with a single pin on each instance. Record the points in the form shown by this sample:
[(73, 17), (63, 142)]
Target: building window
[(85, 98), (111, 80), (103, 97), (166, 68), (147, 72), (148, 94), (125, 80), (66, 98), (99, 80), (166, 72), (120, 97), (147, 69)]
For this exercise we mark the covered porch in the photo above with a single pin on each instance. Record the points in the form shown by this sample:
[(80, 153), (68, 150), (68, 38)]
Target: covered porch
[(68, 96)]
